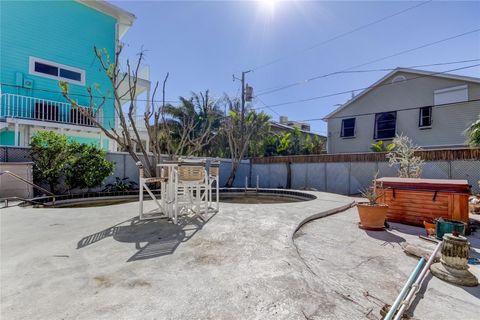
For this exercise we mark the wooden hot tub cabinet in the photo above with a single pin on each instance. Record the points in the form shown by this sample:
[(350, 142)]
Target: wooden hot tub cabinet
[(412, 201)]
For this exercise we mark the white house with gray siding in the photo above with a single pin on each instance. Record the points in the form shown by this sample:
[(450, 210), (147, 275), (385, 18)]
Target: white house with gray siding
[(433, 109)]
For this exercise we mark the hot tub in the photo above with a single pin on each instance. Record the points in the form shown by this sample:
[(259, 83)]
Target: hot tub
[(413, 201)]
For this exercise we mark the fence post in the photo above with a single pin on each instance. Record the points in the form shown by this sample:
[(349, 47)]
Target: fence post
[(325, 176), (289, 175), (250, 170), (305, 180), (449, 169), (349, 178), (124, 166)]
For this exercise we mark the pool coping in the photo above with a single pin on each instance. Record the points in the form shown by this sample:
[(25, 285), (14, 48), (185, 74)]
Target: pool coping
[(133, 194)]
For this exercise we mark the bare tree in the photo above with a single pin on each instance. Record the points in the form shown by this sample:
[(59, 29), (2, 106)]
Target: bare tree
[(238, 135), (125, 137), (182, 130)]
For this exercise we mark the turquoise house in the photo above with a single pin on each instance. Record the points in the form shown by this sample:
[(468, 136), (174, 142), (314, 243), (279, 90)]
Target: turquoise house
[(44, 42)]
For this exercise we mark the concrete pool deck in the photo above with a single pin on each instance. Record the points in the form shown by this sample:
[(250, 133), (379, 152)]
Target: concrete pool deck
[(367, 269), (102, 263)]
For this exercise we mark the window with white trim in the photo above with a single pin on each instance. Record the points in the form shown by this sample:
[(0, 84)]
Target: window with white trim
[(348, 128), (56, 71), (425, 117), (450, 95)]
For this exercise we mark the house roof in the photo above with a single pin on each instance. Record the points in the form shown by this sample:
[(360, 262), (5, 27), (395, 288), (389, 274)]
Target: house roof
[(290, 128), (392, 73), (124, 18)]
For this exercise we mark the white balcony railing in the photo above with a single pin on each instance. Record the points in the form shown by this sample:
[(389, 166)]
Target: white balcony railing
[(31, 108)]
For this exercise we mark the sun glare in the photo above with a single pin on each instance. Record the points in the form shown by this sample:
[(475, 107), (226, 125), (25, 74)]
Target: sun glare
[(268, 5)]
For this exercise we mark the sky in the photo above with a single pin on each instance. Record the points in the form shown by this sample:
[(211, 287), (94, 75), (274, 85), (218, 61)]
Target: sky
[(203, 43)]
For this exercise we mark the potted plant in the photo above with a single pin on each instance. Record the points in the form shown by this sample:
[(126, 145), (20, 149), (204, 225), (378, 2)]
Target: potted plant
[(372, 214)]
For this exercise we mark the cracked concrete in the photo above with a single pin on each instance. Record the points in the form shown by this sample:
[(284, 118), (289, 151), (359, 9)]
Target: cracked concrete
[(102, 263), (242, 264), (367, 269)]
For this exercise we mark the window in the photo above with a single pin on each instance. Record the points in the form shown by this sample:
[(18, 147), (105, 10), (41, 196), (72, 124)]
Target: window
[(53, 70), (348, 128), (425, 117), (385, 124), (450, 95), (46, 69), (72, 75)]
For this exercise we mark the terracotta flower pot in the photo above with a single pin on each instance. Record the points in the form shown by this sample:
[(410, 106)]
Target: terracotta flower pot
[(372, 217)]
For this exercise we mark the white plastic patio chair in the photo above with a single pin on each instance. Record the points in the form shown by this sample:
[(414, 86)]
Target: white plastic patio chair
[(214, 178), (191, 188)]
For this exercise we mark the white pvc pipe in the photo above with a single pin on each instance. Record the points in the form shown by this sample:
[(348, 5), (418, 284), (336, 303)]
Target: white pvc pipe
[(416, 286), (405, 289)]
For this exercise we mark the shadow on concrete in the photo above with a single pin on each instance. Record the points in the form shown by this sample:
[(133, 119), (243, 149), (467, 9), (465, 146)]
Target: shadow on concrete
[(407, 229), (474, 291), (385, 236), (152, 238), (474, 239)]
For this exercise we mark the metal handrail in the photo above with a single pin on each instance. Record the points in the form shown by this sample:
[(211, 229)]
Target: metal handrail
[(28, 182)]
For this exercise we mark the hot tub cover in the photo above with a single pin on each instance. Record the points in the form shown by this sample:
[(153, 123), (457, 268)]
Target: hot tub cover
[(445, 185)]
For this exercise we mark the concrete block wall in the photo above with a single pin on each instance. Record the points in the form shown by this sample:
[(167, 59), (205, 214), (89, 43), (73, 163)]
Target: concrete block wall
[(343, 177), (349, 178), (13, 187)]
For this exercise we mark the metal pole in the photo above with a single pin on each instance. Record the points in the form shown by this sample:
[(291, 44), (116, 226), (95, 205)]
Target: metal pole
[(417, 284), (405, 290), (243, 105), (242, 99)]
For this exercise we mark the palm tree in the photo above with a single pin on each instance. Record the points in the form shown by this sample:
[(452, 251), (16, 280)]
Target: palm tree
[(190, 127)]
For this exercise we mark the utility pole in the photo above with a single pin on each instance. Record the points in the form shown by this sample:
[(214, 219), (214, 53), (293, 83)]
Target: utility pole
[(242, 121)]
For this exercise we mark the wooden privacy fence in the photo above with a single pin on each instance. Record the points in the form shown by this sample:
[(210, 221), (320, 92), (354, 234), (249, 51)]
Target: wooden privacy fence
[(431, 155)]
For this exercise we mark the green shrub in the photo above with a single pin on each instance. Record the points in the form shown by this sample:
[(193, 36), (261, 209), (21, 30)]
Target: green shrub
[(50, 155), (87, 167), (120, 185), (379, 146), (58, 159), (473, 133)]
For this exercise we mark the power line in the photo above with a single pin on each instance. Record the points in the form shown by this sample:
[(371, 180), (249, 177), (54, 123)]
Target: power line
[(364, 88), (341, 35), (262, 92), (271, 109), (294, 84)]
